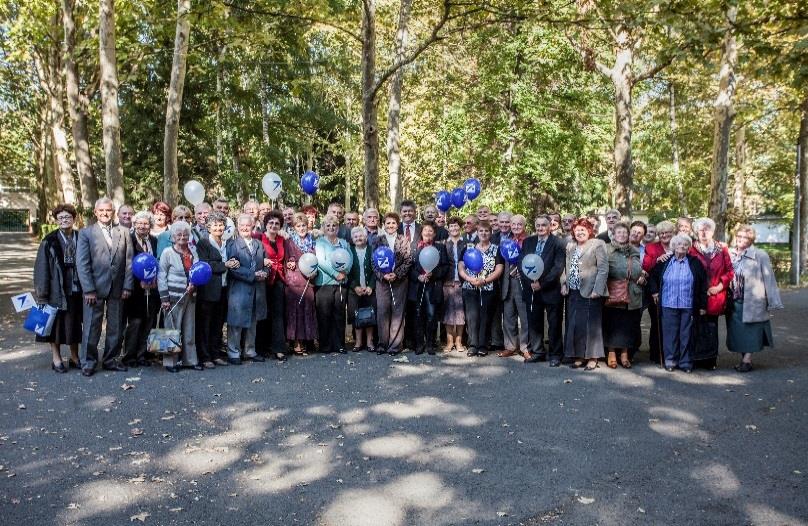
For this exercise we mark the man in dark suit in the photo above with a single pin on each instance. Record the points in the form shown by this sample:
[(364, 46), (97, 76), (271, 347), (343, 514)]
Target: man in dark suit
[(612, 218), (104, 264), (515, 333), (431, 214), (544, 296), (408, 227), (141, 308), (469, 238)]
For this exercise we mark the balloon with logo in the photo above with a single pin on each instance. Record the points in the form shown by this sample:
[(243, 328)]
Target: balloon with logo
[(443, 201), (200, 274), (473, 259), (510, 250), (472, 187), (384, 259), (458, 197), (310, 182), (429, 257), (272, 185), (194, 192), (532, 267), (144, 267), (308, 264), (341, 260)]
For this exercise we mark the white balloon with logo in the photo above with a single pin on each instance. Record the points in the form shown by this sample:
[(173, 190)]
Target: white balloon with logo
[(308, 265), (341, 260), (532, 267)]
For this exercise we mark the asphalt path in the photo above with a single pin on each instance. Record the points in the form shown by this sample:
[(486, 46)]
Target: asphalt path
[(363, 440)]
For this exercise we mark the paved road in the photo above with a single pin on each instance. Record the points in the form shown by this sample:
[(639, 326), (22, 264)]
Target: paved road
[(361, 440)]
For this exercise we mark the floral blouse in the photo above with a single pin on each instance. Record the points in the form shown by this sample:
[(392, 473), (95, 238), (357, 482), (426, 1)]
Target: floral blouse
[(574, 279), (491, 258)]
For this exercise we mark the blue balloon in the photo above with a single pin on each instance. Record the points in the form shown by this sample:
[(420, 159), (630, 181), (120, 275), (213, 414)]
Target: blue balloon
[(472, 187), (458, 197), (310, 182), (510, 250), (443, 201), (144, 267), (473, 259), (200, 274), (384, 259)]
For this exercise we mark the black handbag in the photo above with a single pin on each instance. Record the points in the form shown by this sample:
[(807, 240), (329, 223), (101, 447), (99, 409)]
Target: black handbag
[(364, 317)]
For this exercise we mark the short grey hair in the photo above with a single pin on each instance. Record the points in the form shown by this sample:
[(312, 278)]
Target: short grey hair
[(246, 217), (177, 227), (665, 226), (144, 214), (704, 221), (216, 217), (103, 201), (614, 211), (202, 206), (368, 211), (357, 230), (681, 239)]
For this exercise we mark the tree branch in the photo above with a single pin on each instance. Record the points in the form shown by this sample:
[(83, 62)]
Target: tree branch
[(589, 60)]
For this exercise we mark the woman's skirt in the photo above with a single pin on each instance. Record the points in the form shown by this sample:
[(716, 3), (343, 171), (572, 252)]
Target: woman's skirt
[(453, 313), (584, 337), (747, 337), (67, 325), (621, 328)]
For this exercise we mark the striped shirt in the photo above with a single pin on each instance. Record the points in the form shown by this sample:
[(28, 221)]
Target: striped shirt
[(677, 285)]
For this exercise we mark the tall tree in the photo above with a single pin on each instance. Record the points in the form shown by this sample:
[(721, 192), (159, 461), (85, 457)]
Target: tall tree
[(109, 102), (174, 105), (394, 107)]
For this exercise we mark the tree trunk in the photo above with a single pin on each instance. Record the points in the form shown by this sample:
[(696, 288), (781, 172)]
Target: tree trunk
[(264, 107), (219, 103), (680, 189), (109, 103), (510, 152), (171, 183), (739, 188), (724, 115), (370, 120), (77, 109), (622, 81), (394, 110), (803, 175)]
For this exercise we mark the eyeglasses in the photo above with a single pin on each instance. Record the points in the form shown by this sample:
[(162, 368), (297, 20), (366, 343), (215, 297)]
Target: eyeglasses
[(64, 217)]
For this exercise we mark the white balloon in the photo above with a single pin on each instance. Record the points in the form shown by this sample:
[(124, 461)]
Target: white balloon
[(532, 266), (341, 260), (272, 185), (229, 229), (194, 192), (308, 264), (429, 258)]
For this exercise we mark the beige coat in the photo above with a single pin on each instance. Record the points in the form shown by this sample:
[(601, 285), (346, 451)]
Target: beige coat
[(760, 292), (593, 269)]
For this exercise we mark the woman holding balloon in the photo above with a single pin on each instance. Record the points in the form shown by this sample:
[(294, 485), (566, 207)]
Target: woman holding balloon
[(141, 308), (177, 295), (481, 266), (429, 268), (301, 266), (454, 317), (333, 262), (392, 261), (271, 332)]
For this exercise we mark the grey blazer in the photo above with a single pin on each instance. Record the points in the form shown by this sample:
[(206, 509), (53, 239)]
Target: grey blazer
[(104, 270), (760, 292), (593, 269)]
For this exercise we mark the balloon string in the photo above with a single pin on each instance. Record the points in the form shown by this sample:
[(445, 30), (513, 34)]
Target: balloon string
[(392, 296), (304, 292)]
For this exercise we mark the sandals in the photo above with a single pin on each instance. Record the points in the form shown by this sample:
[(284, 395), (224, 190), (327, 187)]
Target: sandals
[(624, 361), (591, 366), (611, 361), (577, 364)]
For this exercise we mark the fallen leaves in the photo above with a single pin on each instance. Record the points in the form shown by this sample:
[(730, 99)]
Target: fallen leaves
[(478, 471), (140, 517), (401, 359), (135, 431), (586, 500), (751, 427), (127, 387)]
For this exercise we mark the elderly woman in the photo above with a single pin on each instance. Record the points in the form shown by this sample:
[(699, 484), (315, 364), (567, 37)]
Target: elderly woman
[(621, 316), (714, 257), (678, 286), (211, 301), (56, 283), (454, 317), (426, 290), (584, 283), (161, 213), (391, 298), (479, 290), (301, 317), (754, 295), (361, 287), (330, 293), (178, 295), (657, 252), (141, 308), (164, 240), (271, 332)]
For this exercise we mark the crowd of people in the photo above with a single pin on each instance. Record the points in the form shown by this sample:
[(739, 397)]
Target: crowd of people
[(585, 307)]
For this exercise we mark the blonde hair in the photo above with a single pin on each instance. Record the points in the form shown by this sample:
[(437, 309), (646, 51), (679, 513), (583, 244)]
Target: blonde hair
[(665, 226), (747, 229)]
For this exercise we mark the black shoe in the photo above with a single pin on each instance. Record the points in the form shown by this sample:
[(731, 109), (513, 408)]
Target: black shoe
[(115, 367), (419, 351), (87, 372), (743, 367), (280, 357), (687, 369), (392, 352), (669, 369), (197, 367), (471, 352), (358, 349), (536, 358), (234, 361), (431, 351), (73, 365), (482, 353), (380, 350), (172, 368), (256, 358), (555, 362), (143, 363), (61, 369), (341, 350)]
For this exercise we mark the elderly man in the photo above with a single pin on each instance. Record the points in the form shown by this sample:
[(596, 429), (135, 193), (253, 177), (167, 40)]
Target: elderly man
[(431, 213), (370, 218), (251, 208), (125, 213), (263, 210), (503, 227), (483, 213), (104, 264), (200, 229), (469, 238), (408, 227), (247, 303), (222, 206), (141, 308), (336, 210), (612, 218), (288, 220), (516, 336)]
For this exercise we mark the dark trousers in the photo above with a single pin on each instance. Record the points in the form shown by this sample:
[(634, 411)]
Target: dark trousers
[(330, 305), (496, 333), (426, 325), (93, 320), (655, 337), (411, 339), (677, 326), (479, 308), (137, 332), (555, 322), (391, 304), (270, 335)]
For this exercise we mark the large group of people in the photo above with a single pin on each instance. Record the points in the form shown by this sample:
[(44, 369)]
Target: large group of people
[(584, 309)]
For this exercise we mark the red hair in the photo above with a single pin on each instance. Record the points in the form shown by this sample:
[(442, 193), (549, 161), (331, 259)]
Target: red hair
[(162, 207), (308, 209), (584, 223)]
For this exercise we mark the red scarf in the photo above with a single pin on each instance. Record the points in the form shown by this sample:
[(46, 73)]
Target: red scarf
[(276, 257)]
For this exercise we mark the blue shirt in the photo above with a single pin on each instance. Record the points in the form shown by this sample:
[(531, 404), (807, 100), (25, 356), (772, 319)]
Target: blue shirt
[(323, 249), (677, 285)]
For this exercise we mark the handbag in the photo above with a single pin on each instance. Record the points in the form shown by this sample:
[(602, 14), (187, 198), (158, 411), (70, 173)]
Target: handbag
[(364, 317), (162, 340), (40, 320), (618, 289)]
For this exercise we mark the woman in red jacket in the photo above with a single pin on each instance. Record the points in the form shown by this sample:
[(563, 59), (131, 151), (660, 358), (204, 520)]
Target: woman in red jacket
[(271, 333), (715, 258)]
